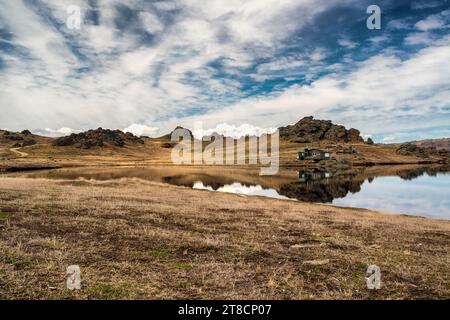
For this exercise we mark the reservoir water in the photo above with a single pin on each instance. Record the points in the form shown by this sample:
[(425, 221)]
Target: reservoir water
[(413, 190)]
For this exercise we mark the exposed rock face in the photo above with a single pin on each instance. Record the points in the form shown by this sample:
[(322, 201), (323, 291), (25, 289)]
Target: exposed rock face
[(12, 136), (26, 133), (354, 135), (180, 130), (98, 138), (439, 144), (16, 139), (309, 130), (410, 149)]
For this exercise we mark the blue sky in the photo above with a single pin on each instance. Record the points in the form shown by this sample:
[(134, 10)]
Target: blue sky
[(151, 65)]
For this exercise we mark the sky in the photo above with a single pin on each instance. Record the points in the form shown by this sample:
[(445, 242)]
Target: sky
[(148, 66)]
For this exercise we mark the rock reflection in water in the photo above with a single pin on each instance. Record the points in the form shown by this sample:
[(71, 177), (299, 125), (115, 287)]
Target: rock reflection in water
[(421, 190), (414, 190), (321, 186)]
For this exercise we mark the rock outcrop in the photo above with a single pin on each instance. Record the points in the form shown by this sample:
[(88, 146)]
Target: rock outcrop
[(410, 149), (98, 138), (309, 130), (439, 144), (179, 130), (17, 139)]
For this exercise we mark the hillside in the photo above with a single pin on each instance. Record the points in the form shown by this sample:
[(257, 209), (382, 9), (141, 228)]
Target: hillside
[(440, 144), (309, 130), (22, 139), (98, 138), (12, 145), (114, 147)]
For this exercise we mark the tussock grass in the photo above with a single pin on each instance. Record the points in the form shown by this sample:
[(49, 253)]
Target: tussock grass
[(142, 240), (3, 216)]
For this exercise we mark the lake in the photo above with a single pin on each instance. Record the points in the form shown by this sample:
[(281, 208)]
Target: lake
[(414, 190)]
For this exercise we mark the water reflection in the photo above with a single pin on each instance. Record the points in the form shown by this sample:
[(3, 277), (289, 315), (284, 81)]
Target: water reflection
[(422, 191), (425, 195), (419, 190), (239, 188)]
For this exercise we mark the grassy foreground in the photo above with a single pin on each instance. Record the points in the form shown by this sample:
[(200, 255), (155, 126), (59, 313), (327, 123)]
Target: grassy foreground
[(145, 240)]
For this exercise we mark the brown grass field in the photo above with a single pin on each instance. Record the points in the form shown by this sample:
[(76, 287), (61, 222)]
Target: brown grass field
[(45, 155), (135, 239)]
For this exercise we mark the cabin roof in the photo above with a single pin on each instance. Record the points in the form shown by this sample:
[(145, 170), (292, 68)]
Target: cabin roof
[(312, 149)]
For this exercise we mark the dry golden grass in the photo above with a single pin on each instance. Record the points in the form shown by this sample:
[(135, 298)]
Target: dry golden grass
[(141, 240), (153, 153)]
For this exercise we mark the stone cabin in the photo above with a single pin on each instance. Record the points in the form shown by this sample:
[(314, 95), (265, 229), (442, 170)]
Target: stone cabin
[(313, 154)]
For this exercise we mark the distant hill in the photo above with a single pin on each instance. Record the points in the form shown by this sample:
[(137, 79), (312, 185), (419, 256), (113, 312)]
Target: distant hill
[(169, 136), (412, 149), (440, 144), (98, 138), (22, 139), (309, 130)]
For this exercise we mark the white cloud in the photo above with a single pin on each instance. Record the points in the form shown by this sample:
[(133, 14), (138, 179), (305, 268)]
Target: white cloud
[(419, 38), (236, 132), (142, 130), (425, 4), (151, 22), (125, 81), (58, 132), (347, 43), (318, 54), (430, 23), (398, 25), (375, 97), (379, 39)]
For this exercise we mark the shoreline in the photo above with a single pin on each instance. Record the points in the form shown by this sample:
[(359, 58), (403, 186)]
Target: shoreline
[(137, 239), (24, 166), (281, 186)]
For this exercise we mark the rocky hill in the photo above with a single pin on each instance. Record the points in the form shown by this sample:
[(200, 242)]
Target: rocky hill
[(439, 144), (411, 149), (169, 136), (20, 139), (98, 138), (309, 130)]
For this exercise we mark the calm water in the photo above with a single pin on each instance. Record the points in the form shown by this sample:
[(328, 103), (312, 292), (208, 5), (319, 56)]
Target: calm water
[(423, 196), (427, 196), (421, 191)]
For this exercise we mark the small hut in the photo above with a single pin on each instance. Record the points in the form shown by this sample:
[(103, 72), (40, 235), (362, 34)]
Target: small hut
[(313, 154)]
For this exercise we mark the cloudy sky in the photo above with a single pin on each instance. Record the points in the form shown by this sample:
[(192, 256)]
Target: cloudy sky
[(151, 65)]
